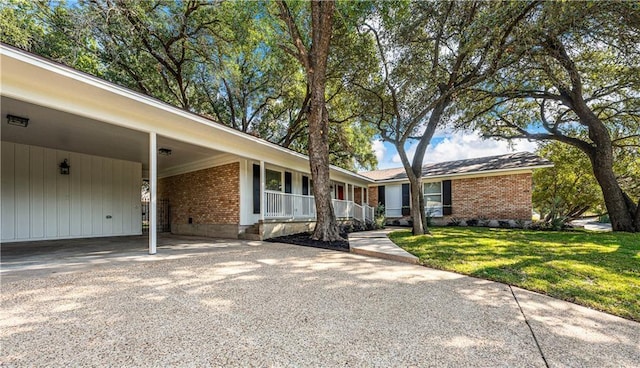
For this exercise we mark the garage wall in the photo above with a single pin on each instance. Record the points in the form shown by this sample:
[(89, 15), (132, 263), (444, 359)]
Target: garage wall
[(39, 203)]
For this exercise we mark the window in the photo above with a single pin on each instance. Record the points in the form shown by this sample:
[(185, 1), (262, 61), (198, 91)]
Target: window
[(433, 198), (273, 180)]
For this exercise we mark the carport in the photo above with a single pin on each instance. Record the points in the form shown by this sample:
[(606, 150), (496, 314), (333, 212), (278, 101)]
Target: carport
[(110, 138)]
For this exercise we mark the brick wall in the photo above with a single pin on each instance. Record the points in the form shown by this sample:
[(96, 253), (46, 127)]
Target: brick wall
[(209, 196), (373, 196), (357, 195), (492, 197)]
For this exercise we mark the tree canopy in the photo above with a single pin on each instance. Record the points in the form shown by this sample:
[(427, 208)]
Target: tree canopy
[(576, 82), (565, 72)]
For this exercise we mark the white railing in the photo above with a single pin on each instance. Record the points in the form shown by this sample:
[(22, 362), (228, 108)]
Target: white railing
[(369, 213), (342, 208), (287, 205), (278, 205), (358, 212)]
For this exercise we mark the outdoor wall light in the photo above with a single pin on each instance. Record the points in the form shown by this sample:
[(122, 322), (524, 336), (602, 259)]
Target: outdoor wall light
[(164, 151), (17, 121), (64, 167)]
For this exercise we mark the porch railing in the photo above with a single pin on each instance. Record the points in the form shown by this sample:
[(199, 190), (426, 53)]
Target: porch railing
[(287, 205), (342, 208), (278, 205)]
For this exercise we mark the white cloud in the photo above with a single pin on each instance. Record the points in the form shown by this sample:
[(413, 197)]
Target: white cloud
[(379, 149), (462, 145)]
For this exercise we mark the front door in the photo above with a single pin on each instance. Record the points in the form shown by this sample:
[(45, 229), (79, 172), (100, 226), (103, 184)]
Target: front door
[(340, 192)]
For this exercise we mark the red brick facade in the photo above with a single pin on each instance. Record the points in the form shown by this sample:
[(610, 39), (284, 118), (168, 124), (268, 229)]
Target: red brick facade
[(209, 196), (373, 196), (357, 195), (492, 197)]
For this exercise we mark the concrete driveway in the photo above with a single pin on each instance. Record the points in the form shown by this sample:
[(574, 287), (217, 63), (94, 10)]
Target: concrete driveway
[(235, 303)]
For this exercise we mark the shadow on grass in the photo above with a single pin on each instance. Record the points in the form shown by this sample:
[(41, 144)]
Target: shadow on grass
[(599, 270)]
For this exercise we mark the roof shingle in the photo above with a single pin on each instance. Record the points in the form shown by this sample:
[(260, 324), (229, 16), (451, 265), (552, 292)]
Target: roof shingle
[(512, 161)]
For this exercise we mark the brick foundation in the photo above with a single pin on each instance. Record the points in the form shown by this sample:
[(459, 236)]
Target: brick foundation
[(209, 197)]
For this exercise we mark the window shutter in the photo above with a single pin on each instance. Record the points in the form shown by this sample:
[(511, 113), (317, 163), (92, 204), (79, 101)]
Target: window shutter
[(446, 197), (381, 198), (287, 182), (256, 188), (305, 185), (406, 209)]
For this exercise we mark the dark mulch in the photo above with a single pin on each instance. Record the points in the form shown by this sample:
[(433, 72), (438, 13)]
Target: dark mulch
[(304, 239)]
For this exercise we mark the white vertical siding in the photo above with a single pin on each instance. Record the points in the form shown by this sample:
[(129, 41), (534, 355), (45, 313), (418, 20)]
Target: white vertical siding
[(37, 202), (63, 198), (36, 193), (107, 196), (117, 198), (49, 171), (8, 214), (22, 200)]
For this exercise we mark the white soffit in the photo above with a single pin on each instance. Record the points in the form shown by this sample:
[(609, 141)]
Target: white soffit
[(30, 78)]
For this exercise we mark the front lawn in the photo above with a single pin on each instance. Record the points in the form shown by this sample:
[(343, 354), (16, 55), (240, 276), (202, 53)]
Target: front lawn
[(598, 270)]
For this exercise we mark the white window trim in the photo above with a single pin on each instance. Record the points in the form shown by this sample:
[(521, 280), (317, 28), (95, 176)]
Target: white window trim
[(433, 211)]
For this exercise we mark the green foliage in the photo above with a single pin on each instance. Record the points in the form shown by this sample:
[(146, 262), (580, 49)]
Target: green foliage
[(574, 79), (380, 217), (223, 60), (568, 189), (598, 270)]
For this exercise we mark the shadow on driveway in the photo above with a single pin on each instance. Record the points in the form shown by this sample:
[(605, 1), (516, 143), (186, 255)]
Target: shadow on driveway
[(237, 303)]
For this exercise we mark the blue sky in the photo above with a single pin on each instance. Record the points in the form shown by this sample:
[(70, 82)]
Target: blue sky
[(449, 146)]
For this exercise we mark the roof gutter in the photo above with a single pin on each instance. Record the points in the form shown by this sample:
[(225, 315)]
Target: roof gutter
[(496, 171)]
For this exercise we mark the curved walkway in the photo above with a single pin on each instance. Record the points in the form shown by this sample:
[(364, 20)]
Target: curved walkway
[(377, 244), (236, 303)]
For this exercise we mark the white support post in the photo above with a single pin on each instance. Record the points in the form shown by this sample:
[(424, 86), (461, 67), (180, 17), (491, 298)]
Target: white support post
[(262, 189), (362, 189), (353, 198), (153, 185)]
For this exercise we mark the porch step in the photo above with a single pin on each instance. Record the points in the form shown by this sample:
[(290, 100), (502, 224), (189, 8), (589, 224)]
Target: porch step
[(251, 233)]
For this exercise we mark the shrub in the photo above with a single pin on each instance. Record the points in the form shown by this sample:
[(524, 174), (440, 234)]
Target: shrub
[(504, 224), (454, 221)]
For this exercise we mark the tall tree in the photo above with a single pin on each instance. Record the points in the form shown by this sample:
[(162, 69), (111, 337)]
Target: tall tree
[(567, 190), (311, 48), (430, 52), (218, 59), (578, 83)]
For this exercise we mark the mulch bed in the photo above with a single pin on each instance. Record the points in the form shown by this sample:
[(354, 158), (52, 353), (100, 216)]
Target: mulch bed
[(305, 240)]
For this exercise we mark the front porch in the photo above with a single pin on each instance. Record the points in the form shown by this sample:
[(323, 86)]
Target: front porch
[(296, 207)]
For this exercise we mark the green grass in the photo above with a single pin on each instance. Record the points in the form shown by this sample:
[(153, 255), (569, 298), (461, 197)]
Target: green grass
[(598, 270)]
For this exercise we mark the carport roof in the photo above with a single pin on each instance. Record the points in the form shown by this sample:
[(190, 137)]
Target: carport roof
[(34, 79)]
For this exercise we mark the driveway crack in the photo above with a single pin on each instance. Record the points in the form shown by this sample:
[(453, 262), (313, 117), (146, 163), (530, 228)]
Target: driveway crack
[(535, 339)]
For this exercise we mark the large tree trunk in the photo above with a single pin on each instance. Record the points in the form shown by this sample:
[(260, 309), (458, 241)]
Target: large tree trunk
[(314, 60), (417, 209), (420, 223), (326, 227), (321, 26), (622, 212)]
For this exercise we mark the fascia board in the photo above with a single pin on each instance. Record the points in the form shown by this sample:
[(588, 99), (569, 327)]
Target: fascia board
[(79, 93), (474, 174)]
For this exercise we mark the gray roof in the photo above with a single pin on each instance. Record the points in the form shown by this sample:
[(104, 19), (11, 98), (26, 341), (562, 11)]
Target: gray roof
[(512, 161)]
